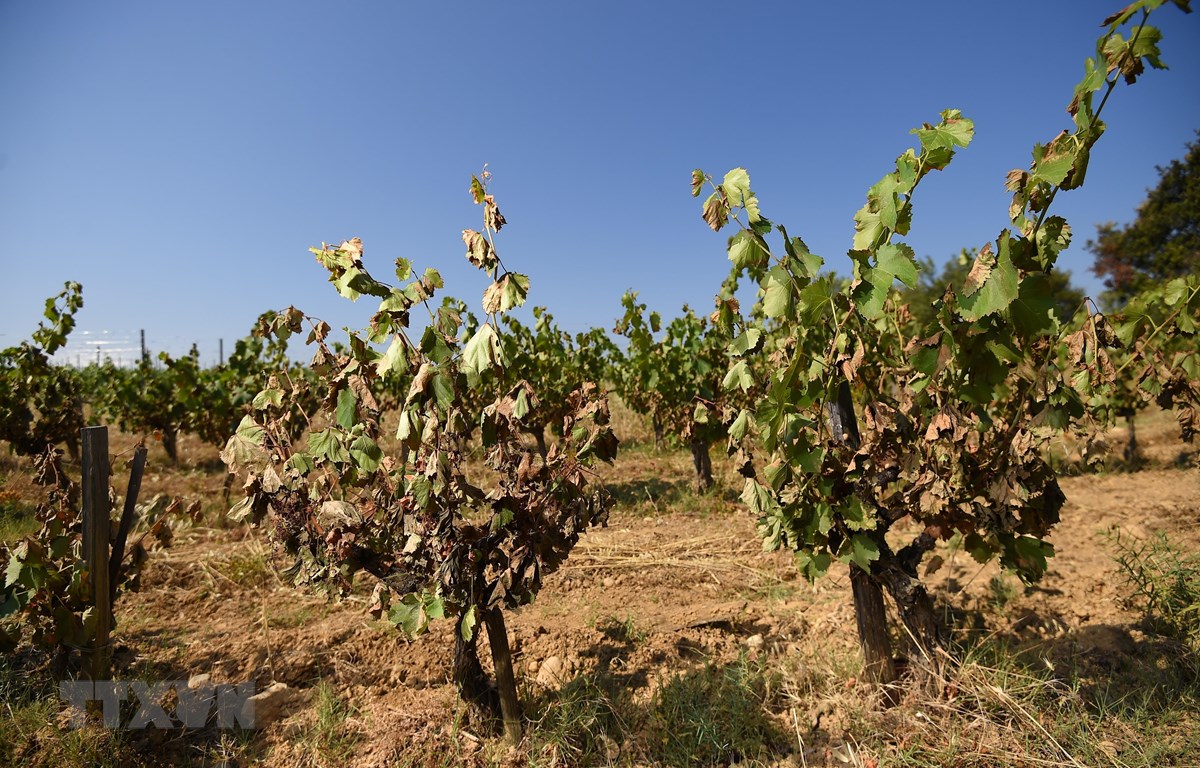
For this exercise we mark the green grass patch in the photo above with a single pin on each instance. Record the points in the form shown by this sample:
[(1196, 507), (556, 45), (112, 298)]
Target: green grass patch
[(1164, 583), (715, 715), (17, 518), (333, 738), (583, 723)]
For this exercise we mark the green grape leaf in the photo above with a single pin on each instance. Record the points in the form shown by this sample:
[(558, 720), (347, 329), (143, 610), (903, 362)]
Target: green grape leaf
[(739, 376), (467, 626), (1033, 311), (483, 350), (857, 516), (245, 447), (900, 261), (395, 359), (443, 389), (737, 190), (408, 615), (267, 398), (953, 131), (746, 252), (507, 292), (813, 565), (777, 292), (347, 408), (327, 443), (991, 285), (868, 228), (861, 550), (740, 425), (366, 453), (1052, 169), (434, 608), (521, 405), (893, 261), (750, 340)]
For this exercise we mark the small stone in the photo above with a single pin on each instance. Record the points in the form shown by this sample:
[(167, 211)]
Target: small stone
[(269, 706), (608, 581), (196, 682), (754, 641), (551, 672)]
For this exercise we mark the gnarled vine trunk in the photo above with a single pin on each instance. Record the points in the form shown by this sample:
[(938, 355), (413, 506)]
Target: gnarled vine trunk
[(488, 701), (895, 572), (474, 687), (924, 631), (506, 681), (1133, 455), (702, 463), (170, 442)]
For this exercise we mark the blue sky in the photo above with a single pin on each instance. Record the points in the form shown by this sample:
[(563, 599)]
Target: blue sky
[(179, 159)]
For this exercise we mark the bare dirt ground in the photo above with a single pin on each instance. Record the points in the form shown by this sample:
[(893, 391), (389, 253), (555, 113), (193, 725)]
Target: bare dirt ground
[(675, 588)]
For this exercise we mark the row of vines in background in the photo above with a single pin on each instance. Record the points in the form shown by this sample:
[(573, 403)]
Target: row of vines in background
[(896, 401)]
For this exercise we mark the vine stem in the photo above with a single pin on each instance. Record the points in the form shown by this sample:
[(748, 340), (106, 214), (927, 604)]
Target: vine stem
[(1112, 85)]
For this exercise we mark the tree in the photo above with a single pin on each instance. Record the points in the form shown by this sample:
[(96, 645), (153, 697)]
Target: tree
[(675, 379), (439, 541), (41, 403), (956, 411), (555, 364), (1162, 242), (148, 399)]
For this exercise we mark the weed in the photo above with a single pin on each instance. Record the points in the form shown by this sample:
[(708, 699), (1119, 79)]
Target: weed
[(247, 567), (17, 518), (332, 738), (623, 630), (579, 724), (712, 716), (1002, 590), (28, 733), (1165, 586), (291, 619), (1000, 705)]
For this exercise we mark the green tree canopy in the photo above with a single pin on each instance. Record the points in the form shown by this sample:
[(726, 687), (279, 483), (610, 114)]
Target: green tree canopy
[(1162, 242)]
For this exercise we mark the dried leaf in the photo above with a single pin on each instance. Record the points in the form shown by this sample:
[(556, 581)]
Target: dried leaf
[(984, 262)]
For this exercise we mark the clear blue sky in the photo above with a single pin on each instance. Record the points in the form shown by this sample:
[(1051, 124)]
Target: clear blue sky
[(178, 159)]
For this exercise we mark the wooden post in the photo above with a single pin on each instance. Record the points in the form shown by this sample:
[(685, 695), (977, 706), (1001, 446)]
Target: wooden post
[(871, 617), (96, 532), (128, 520), (506, 681)]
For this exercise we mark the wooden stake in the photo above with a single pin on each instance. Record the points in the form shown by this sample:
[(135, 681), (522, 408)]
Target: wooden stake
[(96, 531), (128, 520), (871, 616), (506, 682)]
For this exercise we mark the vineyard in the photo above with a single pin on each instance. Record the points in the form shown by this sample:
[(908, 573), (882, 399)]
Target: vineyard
[(857, 513)]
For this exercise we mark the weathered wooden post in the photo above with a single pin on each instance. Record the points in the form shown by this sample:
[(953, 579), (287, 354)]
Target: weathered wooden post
[(96, 531), (506, 683), (128, 520)]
